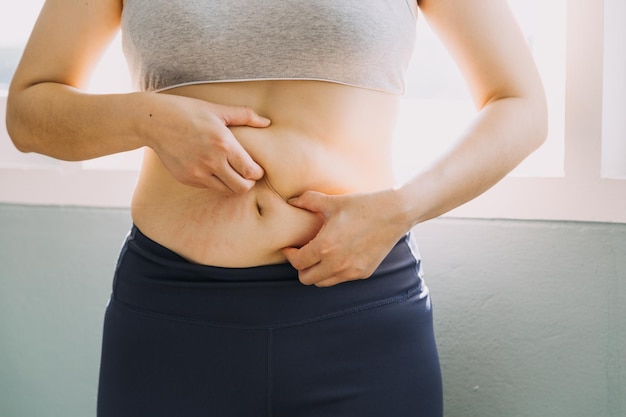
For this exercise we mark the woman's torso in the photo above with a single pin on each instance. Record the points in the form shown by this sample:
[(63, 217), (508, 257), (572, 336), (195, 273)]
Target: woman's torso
[(324, 137)]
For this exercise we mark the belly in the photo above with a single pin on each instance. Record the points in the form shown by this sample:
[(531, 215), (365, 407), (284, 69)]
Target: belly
[(250, 229)]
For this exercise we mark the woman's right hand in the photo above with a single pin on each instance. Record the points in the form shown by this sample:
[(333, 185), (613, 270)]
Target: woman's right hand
[(192, 139), (48, 111)]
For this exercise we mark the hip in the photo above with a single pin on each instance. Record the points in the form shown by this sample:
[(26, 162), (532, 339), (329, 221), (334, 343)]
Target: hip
[(152, 279)]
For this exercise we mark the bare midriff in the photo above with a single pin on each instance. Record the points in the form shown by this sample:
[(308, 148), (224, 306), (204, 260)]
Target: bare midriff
[(324, 137)]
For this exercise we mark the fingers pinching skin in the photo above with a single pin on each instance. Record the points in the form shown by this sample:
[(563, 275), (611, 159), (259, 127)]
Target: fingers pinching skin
[(239, 171), (241, 116), (353, 241), (312, 201), (301, 260), (234, 180), (195, 144), (244, 165)]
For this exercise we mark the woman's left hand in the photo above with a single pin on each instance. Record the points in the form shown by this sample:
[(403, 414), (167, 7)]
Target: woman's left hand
[(359, 231)]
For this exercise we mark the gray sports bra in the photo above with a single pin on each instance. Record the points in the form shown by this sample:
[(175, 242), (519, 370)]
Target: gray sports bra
[(364, 43)]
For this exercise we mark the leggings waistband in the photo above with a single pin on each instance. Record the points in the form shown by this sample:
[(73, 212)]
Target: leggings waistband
[(152, 279)]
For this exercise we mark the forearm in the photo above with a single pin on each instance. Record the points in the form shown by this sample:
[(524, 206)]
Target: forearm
[(504, 132), (62, 122)]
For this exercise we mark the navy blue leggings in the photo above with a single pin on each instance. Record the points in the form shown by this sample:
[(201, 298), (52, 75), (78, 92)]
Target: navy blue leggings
[(187, 340)]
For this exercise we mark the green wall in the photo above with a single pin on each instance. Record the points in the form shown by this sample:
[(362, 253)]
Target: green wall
[(530, 316)]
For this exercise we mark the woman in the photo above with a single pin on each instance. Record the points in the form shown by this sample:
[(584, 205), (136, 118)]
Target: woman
[(268, 129)]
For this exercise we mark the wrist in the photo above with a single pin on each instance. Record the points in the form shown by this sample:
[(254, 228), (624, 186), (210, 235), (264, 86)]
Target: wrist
[(415, 201), (143, 118), (403, 211)]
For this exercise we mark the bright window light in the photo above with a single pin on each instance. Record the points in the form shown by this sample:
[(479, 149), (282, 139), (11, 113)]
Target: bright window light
[(614, 97), (437, 105), (578, 174)]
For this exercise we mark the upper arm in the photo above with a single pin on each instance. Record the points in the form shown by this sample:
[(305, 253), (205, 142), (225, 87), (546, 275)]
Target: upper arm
[(484, 39), (67, 41)]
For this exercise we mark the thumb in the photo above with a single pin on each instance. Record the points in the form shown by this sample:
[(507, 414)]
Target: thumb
[(312, 201), (242, 116), (289, 252)]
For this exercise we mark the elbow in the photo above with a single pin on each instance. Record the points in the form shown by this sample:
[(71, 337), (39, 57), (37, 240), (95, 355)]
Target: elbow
[(16, 129), (17, 139), (21, 146), (19, 123), (527, 110), (530, 115), (538, 123)]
